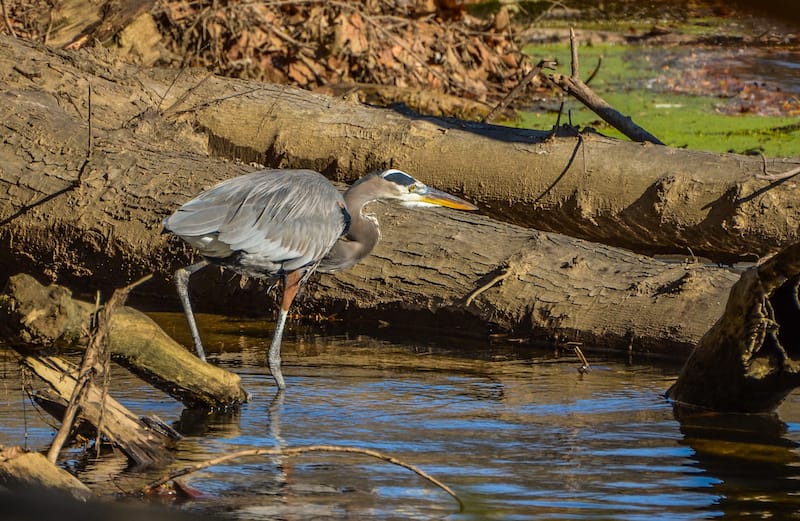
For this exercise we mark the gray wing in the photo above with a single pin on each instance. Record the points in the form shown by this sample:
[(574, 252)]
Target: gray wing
[(274, 219)]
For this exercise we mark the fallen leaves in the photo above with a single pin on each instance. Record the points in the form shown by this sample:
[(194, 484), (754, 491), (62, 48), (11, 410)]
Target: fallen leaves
[(320, 45)]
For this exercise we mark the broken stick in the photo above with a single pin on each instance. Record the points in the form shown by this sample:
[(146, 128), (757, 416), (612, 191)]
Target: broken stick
[(578, 89), (143, 445)]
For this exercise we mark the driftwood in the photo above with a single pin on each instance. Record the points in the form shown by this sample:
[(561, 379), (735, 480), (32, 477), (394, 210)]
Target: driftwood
[(143, 445), (94, 370), (40, 315), (31, 472), (750, 360)]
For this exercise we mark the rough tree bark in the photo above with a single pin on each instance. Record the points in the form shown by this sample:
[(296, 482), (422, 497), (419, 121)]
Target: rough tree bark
[(750, 360), (94, 221), (644, 197)]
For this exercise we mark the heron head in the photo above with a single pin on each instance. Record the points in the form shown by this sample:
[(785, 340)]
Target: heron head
[(398, 185)]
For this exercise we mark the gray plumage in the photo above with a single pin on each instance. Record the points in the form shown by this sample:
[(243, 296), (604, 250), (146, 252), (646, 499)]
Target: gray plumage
[(273, 221), (288, 223)]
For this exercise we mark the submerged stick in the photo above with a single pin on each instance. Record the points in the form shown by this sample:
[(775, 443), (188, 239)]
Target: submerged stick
[(293, 451)]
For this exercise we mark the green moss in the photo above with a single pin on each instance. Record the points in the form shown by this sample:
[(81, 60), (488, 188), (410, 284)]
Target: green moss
[(678, 120)]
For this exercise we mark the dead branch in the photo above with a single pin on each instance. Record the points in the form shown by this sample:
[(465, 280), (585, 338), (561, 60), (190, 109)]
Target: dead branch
[(95, 364), (543, 64), (579, 90), (294, 451), (143, 444), (778, 177)]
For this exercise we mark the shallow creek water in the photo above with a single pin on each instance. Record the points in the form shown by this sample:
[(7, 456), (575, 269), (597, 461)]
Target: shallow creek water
[(517, 433)]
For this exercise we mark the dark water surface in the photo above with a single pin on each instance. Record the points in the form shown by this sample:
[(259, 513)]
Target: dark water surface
[(519, 434)]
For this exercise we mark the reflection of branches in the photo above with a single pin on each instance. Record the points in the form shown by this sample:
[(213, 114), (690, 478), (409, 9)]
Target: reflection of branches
[(294, 451)]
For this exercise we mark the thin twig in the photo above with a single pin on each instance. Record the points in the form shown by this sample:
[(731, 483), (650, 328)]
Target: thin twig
[(6, 19), (46, 37), (516, 90), (186, 94), (89, 142), (595, 71), (90, 366), (573, 49), (293, 451), (486, 286), (217, 100), (779, 177)]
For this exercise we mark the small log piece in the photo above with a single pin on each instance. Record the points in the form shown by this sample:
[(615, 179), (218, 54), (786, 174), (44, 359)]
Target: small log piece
[(144, 446), (31, 472), (35, 314)]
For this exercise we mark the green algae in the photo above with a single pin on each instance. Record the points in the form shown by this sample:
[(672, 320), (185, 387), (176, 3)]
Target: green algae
[(626, 79)]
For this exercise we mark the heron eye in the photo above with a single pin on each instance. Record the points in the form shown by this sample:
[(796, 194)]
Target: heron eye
[(412, 188)]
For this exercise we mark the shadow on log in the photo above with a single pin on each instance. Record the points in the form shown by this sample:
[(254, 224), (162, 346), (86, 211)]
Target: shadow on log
[(35, 314), (749, 361)]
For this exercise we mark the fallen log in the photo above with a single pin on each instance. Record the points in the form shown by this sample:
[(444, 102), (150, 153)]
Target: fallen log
[(35, 314), (31, 472), (144, 446), (155, 137), (750, 360)]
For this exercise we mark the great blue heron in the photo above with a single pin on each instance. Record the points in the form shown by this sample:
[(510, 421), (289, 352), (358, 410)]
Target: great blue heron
[(289, 223)]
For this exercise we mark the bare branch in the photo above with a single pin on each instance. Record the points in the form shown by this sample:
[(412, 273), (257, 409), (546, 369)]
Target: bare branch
[(294, 451)]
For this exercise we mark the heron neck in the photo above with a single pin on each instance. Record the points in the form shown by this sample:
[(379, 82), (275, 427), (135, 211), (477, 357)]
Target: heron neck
[(363, 227), (362, 236)]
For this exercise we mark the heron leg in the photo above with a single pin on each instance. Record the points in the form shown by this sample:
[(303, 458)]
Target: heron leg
[(182, 283), (291, 284)]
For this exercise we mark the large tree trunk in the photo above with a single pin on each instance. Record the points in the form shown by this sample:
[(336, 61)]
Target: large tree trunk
[(95, 222), (644, 197)]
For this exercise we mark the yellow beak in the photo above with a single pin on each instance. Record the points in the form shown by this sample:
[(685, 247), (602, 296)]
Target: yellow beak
[(439, 198)]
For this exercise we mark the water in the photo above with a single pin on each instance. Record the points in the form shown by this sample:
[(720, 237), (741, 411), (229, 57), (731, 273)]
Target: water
[(518, 433)]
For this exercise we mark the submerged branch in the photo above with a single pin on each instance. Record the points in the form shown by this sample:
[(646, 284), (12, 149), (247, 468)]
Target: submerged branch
[(293, 451)]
